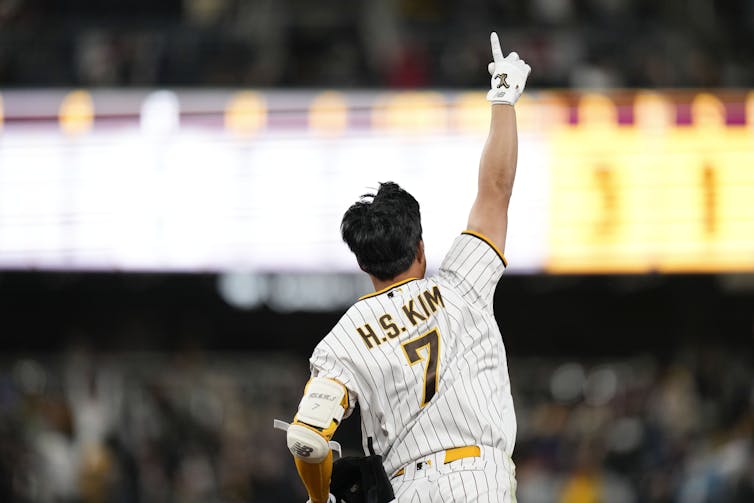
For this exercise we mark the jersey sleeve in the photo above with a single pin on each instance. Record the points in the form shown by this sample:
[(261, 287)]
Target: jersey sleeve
[(473, 267), (325, 363)]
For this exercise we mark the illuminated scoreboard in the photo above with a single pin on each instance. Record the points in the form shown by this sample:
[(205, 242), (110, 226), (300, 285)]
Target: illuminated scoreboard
[(652, 195), (626, 182)]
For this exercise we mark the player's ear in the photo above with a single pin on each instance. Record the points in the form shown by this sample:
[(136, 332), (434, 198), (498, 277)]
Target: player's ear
[(420, 252)]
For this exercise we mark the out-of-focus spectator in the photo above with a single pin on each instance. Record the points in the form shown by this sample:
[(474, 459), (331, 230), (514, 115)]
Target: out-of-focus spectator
[(94, 428), (196, 427), (373, 43)]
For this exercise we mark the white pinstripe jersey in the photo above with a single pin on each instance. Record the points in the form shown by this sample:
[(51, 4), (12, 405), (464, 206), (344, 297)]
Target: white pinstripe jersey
[(426, 361)]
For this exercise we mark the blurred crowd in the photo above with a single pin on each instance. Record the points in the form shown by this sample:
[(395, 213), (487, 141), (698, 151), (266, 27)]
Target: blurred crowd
[(374, 43), (141, 428), (636, 430), (196, 427)]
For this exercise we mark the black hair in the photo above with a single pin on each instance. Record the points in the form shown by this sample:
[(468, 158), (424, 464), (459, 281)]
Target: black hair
[(383, 230)]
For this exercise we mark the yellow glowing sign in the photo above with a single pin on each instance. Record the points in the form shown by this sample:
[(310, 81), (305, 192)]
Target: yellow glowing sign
[(328, 113), (246, 113), (77, 113), (411, 112), (652, 196), (472, 113)]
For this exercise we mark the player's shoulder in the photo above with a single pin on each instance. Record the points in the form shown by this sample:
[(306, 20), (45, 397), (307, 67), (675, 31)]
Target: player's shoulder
[(358, 321), (474, 244)]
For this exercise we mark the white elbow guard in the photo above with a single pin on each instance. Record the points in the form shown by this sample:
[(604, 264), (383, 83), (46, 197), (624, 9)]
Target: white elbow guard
[(319, 414), (307, 445)]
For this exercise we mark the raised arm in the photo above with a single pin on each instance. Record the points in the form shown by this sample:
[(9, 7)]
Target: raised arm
[(497, 168)]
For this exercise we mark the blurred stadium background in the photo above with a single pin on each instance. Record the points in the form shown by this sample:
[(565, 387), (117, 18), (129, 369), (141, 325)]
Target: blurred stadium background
[(172, 176)]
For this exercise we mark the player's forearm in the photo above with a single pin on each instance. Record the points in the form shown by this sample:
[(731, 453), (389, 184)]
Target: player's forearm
[(316, 478), (497, 168)]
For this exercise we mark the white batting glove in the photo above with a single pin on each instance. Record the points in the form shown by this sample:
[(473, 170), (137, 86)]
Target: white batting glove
[(508, 74)]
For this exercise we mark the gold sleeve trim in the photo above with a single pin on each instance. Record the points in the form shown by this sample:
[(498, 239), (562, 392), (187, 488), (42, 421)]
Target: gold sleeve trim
[(487, 240)]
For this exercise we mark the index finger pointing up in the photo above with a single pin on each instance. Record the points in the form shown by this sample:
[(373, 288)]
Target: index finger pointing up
[(497, 53)]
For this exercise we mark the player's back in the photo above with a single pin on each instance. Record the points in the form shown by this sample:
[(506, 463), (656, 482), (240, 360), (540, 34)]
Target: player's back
[(425, 360)]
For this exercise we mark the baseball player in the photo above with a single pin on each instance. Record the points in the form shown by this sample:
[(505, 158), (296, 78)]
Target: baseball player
[(422, 356)]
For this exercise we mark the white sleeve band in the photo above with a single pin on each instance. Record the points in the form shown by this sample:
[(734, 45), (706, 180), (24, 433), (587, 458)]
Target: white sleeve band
[(321, 403)]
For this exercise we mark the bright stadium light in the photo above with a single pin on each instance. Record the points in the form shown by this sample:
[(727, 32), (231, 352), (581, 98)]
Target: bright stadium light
[(708, 111), (242, 290), (653, 112), (76, 113), (412, 112), (135, 191), (328, 113), (246, 113), (160, 113)]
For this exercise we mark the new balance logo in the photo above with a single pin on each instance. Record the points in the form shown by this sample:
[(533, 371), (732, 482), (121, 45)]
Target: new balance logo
[(302, 450)]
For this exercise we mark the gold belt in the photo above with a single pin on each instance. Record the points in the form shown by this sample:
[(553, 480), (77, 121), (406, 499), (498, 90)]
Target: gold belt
[(456, 453)]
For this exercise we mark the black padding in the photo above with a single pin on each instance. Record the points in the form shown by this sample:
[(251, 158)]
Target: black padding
[(361, 480)]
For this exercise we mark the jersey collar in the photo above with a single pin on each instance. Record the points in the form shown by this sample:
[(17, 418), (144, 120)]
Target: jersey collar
[(387, 288)]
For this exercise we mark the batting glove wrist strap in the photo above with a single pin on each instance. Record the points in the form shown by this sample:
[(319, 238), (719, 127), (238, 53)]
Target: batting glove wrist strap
[(508, 74), (330, 499)]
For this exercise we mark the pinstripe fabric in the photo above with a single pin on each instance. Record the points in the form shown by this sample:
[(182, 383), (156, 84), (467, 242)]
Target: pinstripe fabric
[(471, 405), (479, 480)]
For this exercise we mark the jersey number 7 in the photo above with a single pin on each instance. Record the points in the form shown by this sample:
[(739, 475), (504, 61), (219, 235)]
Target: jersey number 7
[(430, 340)]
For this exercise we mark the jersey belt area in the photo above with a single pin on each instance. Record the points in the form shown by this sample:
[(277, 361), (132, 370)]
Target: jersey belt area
[(469, 451)]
